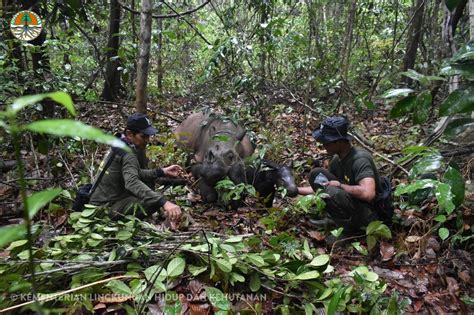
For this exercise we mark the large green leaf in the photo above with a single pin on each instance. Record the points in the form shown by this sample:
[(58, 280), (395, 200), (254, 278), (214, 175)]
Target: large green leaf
[(12, 233), (456, 126), (218, 299), (152, 272), (445, 197), (224, 265), (465, 53), (320, 260), (314, 274), (397, 93), (443, 233), (119, 287), (59, 97), (176, 267), (416, 185), (460, 101), (72, 128), (429, 164), (422, 107), (466, 70), (40, 199), (255, 282), (403, 107), (455, 180), (423, 79), (335, 301)]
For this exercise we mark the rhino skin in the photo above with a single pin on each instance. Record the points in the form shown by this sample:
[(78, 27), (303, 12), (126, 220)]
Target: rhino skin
[(207, 135)]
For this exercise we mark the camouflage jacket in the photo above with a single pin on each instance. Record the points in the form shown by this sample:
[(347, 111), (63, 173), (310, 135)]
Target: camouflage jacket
[(127, 176)]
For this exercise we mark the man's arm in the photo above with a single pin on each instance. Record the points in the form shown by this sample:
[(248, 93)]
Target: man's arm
[(306, 190), (364, 190)]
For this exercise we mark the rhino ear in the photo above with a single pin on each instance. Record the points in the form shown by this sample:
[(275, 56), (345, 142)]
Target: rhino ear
[(240, 133)]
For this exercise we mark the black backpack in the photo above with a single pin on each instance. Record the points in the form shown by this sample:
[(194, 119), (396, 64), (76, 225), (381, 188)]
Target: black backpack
[(383, 201), (84, 192)]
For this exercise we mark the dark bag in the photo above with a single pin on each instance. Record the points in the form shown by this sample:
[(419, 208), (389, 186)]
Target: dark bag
[(84, 192), (383, 201), (82, 197)]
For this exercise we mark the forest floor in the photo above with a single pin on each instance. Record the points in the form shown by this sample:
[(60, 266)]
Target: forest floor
[(435, 275)]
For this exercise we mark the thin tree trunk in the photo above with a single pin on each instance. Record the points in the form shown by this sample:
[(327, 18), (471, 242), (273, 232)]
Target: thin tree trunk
[(112, 75), (348, 44), (414, 37), (144, 58), (159, 61)]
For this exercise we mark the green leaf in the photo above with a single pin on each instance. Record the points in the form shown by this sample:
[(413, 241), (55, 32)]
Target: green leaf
[(458, 125), (218, 299), (429, 164), (119, 287), (440, 218), (422, 107), (234, 239), (412, 74), (443, 233), (40, 199), (397, 93), (320, 260), (59, 97), (464, 54), (16, 244), (124, 235), (12, 233), (176, 267), (455, 180), (332, 308), (255, 283), (309, 308), (224, 265), (88, 212), (255, 259), (173, 309), (337, 232), (72, 128), (152, 272), (196, 270), (402, 107), (459, 101), (445, 197), (314, 274), (371, 276), (466, 70)]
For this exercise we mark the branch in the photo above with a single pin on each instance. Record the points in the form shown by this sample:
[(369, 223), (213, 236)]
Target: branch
[(166, 16)]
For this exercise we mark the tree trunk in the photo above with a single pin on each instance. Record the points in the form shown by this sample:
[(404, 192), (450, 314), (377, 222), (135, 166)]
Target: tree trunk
[(263, 40), (471, 19), (348, 44), (144, 58), (159, 61), (414, 37), (112, 75)]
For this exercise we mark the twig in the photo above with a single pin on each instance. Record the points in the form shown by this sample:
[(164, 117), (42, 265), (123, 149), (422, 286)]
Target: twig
[(80, 266), (157, 273), (378, 154), (68, 169), (343, 240), (53, 296)]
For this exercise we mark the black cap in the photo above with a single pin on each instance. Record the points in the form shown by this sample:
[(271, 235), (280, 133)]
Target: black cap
[(140, 122), (332, 129)]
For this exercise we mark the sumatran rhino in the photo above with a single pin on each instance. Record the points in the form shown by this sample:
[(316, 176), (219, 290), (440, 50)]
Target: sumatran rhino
[(217, 144)]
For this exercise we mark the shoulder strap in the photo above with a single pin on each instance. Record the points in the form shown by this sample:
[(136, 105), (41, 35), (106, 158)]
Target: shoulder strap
[(102, 173)]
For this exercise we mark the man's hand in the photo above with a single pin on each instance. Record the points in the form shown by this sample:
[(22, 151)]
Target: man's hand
[(172, 170), (172, 214), (334, 183)]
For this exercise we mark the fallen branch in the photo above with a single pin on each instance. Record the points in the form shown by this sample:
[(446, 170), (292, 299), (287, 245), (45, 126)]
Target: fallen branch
[(166, 16)]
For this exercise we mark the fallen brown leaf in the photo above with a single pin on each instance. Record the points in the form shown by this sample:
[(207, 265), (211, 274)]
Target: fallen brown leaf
[(317, 235), (387, 251), (464, 276)]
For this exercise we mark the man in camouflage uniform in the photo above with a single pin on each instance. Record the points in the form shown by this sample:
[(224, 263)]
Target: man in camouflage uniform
[(352, 179), (128, 183)]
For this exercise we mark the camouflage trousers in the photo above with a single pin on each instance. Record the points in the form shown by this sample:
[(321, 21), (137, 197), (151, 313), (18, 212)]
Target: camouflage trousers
[(348, 212)]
